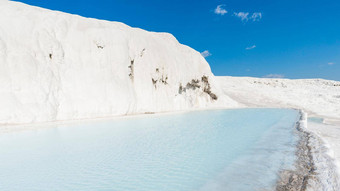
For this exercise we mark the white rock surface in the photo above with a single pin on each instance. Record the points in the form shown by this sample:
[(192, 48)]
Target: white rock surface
[(57, 66), (317, 97), (330, 135)]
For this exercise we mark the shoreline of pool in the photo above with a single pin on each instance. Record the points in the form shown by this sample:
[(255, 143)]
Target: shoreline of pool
[(12, 128), (314, 169)]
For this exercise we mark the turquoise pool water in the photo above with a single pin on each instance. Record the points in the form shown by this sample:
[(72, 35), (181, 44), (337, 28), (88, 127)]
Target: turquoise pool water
[(241, 149), (315, 119)]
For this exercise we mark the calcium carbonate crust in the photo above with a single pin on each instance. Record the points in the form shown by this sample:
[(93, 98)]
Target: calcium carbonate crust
[(314, 169), (56, 66), (315, 96)]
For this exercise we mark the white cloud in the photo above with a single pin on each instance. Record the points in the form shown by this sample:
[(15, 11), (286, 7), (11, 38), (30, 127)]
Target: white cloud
[(251, 47), (256, 16), (245, 16), (242, 15), (331, 63), (205, 53), (220, 10), (274, 76)]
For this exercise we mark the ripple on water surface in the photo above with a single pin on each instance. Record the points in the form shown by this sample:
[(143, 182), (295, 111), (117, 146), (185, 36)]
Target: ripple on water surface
[(240, 149)]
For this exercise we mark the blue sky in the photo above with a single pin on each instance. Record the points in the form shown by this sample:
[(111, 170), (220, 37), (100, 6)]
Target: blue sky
[(287, 38)]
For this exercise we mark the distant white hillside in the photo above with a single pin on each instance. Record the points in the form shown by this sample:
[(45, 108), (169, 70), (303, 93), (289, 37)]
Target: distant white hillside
[(57, 66), (316, 96)]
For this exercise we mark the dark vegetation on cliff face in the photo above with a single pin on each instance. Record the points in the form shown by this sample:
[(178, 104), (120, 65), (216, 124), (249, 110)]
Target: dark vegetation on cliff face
[(162, 78), (131, 67), (197, 84)]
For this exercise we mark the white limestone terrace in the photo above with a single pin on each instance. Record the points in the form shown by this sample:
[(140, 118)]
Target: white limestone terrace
[(56, 66), (317, 97)]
